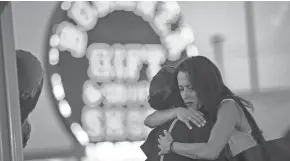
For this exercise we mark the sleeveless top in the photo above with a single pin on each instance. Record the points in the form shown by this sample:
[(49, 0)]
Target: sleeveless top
[(241, 138)]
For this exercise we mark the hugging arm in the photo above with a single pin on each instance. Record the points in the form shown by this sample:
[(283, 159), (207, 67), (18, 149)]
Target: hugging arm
[(227, 118), (183, 114), (160, 117)]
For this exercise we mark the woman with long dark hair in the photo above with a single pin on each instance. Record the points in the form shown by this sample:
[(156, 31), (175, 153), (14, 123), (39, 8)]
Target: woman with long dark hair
[(200, 84), (164, 96)]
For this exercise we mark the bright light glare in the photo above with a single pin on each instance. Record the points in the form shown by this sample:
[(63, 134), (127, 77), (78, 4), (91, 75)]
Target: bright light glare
[(64, 108)]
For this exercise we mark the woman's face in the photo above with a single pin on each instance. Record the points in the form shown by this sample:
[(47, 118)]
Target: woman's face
[(187, 93)]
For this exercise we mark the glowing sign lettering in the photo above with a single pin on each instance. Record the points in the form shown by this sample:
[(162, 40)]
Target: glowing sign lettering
[(93, 122), (119, 58), (114, 118), (114, 93), (135, 123), (134, 62), (118, 62), (137, 92), (114, 70), (155, 57), (100, 57), (115, 123)]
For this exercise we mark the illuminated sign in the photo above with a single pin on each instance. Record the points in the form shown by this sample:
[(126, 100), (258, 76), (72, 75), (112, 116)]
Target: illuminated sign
[(101, 57)]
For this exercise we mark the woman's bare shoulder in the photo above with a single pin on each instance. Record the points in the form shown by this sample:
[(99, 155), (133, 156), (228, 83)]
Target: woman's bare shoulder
[(229, 107)]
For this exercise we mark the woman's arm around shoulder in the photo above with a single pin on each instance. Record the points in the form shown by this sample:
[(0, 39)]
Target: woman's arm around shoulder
[(227, 118), (158, 118)]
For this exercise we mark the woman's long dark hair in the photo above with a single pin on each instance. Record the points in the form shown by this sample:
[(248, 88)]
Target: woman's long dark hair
[(207, 81)]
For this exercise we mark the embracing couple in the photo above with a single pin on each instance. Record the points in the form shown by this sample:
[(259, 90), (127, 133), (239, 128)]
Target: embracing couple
[(198, 118)]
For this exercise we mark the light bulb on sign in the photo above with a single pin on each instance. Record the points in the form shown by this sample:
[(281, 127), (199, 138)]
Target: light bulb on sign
[(177, 41), (125, 5), (168, 13), (124, 151), (90, 152), (161, 26), (83, 13), (172, 7), (80, 134), (59, 92), (57, 87), (53, 56), (55, 79), (65, 5), (72, 39), (92, 95), (64, 108), (192, 50), (146, 9), (112, 6), (103, 7), (104, 151), (187, 33), (54, 40)]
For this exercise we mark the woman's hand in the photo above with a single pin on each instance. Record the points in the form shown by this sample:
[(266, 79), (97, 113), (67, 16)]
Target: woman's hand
[(164, 143), (188, 114)]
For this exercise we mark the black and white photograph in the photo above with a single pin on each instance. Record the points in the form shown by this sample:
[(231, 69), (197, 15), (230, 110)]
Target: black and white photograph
[(144, 80)]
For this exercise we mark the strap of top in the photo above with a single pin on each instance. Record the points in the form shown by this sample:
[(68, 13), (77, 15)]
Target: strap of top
[(256, 133)]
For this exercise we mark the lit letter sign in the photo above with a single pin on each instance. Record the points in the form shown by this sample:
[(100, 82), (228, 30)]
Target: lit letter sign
[(101, 57)]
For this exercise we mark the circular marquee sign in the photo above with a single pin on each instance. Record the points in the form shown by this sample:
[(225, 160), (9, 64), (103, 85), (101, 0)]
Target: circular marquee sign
[(101, 57)]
